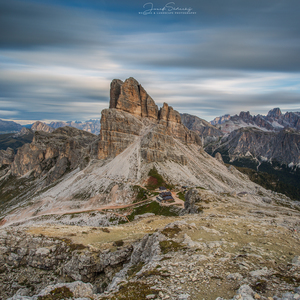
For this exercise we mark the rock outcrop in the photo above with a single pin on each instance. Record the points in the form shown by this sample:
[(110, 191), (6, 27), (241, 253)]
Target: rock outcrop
[(40, 126), (207, 132), (96, 171), (134, 115), (36, 261), (118, 131), (6, 156), (219, 158), (130, 96), (282, 147), (24, 132), (73, 290), (52, 153), (192, 202)]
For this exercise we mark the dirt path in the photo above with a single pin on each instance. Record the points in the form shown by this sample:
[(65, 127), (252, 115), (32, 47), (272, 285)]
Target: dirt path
[(121, 206)]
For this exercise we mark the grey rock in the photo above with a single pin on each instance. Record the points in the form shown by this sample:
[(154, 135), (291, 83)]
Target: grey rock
[(244, 293), (296, 261), (78, 288), (52, 154), (206, 131), (6, 156), (258, 273), (219, 158), (192, 198), (254, 143), (235, 276), (267, 200), (183, 296)]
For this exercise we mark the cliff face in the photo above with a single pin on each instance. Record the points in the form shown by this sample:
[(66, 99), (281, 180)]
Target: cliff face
[(118, 131), (6, 156), (52, 153), (130, 96), (207, 132), (134, 115), (282, 147)]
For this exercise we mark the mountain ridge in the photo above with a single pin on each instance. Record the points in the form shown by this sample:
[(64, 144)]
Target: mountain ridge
[(135, 137), (273, 121), (80, 217)]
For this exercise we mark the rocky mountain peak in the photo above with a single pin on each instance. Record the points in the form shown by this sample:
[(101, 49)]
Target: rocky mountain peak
[(24, 131), (133, 115), (130, 96), (220, 120), (167, 113), (246, 116), (40, 126), (275, 113)]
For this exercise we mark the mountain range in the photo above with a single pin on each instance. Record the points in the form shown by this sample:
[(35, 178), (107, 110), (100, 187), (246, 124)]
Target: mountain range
[(266, 148), (273, 121), (81, 217), (73, 168), (9, 126)]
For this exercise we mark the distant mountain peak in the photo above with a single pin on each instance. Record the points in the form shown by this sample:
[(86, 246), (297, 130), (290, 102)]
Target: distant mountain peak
[(40, 126), (9, 126), (275, 113), (220, 120), (92, 126)]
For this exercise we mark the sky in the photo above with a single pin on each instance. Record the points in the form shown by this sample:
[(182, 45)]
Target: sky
[(203, 57)]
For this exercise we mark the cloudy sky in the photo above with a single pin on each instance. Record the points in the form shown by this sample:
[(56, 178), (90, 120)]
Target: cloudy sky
[(204, 57)]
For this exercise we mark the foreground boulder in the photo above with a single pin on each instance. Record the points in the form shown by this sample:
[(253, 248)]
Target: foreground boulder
[(74, 290), (192, 202)]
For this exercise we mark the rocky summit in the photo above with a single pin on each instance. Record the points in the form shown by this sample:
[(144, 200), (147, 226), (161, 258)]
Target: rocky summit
[(140, 212), (133, 114), (40, 126)]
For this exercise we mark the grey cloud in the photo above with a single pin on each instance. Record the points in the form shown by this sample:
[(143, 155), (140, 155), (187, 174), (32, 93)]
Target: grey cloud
[(216, 105), (224, 40), (23, 83), (27, 24), (218, 48)]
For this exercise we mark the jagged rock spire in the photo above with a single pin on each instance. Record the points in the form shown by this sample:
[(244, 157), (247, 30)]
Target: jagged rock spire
[(131, 97)]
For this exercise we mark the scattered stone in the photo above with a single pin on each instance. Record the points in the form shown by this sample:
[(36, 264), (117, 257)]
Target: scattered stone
[(296, 261), (258, 273), (235, 276), (183, 296)]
